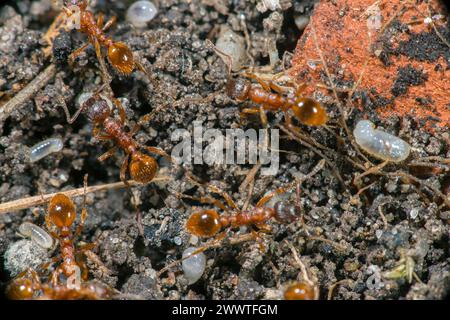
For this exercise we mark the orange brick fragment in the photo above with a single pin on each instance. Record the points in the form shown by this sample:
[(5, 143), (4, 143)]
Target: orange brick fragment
[(407, 71)]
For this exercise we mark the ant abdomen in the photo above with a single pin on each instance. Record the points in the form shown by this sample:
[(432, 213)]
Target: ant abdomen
[(309, 111), (205, 223), (143, 168), (61, 210), (286, 212), (121, 57)]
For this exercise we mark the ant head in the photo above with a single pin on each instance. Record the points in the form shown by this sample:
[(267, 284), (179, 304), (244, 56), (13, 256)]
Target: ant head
[(62, 211), (286, 212), (143, 168), (204, 223), (21, 288), (97, 109), (310, 112), (238, 89), (121, 57)]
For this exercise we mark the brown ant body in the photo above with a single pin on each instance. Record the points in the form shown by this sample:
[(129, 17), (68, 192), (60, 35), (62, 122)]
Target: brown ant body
[(207, 223), (61, 214), (119, 54), (142, 167), (307, 110), (28, 286)]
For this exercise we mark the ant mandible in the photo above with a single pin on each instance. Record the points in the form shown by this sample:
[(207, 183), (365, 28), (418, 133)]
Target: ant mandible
[(119, 54)]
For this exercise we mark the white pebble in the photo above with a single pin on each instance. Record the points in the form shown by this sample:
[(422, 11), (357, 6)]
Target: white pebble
[(194, 266), (37, 234), (380, 144), (233, 45), (141, 12), (44, 148)]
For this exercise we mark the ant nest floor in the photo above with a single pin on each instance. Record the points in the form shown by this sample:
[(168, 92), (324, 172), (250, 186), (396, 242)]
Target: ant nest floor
[(368, 230)]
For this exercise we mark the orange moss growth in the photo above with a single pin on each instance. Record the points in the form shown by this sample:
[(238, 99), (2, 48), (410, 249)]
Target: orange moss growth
[(407, 68)]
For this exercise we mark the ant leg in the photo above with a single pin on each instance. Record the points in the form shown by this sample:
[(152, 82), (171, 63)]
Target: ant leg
[(263, 116), (266, 198), (159, 152), (69, 119), (96, 134), (122, 113), (209, 200), (107, 154), (83, 211), (109, 23), (264, 84), (77, 52), (123, 170), (98, 52), (225, 195), (100, 20)]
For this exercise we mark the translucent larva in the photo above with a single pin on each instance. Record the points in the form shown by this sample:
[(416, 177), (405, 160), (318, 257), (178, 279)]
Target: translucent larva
[(36, 234), (194, 266), (44, 148), (380, 144), (141, 12)]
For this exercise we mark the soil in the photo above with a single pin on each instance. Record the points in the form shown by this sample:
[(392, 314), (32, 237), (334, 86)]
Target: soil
[(349, 235)]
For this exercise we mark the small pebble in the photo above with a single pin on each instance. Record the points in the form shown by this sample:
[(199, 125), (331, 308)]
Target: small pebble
[(233, 45), (24, 254), (141, 12), (193, 267)]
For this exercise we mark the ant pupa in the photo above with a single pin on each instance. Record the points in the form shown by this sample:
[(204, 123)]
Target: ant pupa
[(36, 234), (380, 144)]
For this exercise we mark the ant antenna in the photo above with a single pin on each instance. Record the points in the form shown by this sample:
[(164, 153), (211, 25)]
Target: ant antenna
[(224, 56)]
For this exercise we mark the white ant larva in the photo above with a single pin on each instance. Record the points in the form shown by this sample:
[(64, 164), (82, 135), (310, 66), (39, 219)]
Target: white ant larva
[(37, 234), (380, 144), (44, 148)]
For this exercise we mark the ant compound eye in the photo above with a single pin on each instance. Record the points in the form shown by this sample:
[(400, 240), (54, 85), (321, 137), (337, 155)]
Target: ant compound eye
[(62, 211), (285, 212), (204, 223), (143, 168), (121, 57)]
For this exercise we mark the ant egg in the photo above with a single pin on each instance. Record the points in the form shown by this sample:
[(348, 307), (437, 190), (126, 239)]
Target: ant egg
[(380, 144), (44, 148), (141, 12), (37, 234), (194, 266)]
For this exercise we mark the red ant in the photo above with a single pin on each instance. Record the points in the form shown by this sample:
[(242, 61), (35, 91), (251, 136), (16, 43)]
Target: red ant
[(272, 97), (207, 223), (119, 54), (61, 214), (142, 167)]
